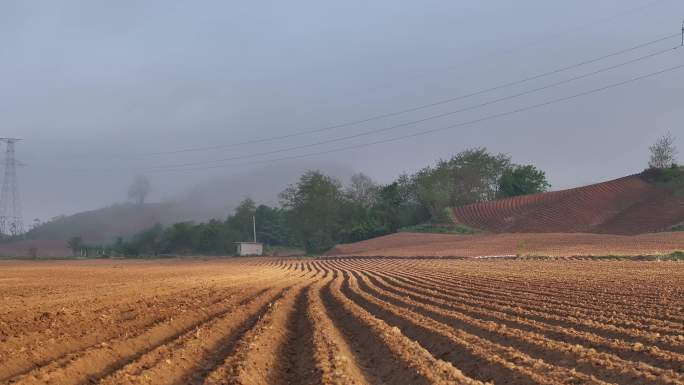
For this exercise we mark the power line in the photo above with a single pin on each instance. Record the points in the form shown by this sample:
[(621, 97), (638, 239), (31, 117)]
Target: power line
[(419, 107), (585, 25), (462, 124), (432, 117), (419, 133)]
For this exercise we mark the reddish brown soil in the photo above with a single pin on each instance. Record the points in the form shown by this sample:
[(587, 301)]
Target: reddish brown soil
[(539, 244), (628, 205), (342, 321)]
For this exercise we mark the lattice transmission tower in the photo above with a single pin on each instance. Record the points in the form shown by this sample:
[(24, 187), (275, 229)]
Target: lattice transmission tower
[(11, 221)]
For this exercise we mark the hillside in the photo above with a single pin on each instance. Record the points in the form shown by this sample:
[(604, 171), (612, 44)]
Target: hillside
[(103, 225), (628, 205), (546, 244), (95, 227)]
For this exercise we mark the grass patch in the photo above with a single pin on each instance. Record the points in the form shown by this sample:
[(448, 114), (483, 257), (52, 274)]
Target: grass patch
[(440, 229), (676, 256), (679, 227), (670, 178)]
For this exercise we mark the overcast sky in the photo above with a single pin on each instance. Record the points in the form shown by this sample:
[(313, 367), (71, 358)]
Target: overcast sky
[(98, 88)]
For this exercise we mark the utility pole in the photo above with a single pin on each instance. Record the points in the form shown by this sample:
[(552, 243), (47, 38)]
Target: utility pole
[(11, 221), (254, 226), (682, 33)]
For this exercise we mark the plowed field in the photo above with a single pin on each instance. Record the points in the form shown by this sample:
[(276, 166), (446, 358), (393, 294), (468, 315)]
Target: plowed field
[(342, 321), (629, 205), (545, 244)]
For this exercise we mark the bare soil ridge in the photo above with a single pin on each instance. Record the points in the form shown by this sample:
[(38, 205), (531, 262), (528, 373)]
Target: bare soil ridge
[(411, 245), (628, 205)]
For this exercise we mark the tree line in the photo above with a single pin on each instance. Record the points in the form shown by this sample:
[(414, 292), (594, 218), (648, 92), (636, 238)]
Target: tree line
[(318, 211)]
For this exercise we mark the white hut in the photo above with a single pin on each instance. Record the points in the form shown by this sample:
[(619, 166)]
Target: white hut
[(250, 248)]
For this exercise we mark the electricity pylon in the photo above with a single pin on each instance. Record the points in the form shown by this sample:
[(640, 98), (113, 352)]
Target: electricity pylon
[(11, 221)]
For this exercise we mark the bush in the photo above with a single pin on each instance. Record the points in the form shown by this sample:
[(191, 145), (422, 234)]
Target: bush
[(363, 231), (676, 256), (440, 229), (664, 175)]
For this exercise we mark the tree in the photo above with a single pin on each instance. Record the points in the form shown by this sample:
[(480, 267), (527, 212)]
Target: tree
[(362, 190), (139, 189), (271, 227), (212, 238), (522, 180), (240, 223), (147, 242), (397, 206), (468, 177), (663, 152), (181, 238), (314, 204), (75, 244)]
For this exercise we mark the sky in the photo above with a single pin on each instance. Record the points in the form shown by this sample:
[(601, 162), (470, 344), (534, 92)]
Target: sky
[(102, 91)]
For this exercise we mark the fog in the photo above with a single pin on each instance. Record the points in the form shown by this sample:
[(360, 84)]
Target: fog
[(102, 91)]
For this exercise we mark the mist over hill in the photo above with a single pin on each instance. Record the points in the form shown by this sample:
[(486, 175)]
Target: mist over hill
[(213, 199)]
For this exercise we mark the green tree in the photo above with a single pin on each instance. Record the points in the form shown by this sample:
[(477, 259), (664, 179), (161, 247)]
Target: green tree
[(468, 177), (75, 244), (180, 238), (314, 204), (396, 207), (239, 224), (212, 238), (522, 180), (271, 226), (148, 241)]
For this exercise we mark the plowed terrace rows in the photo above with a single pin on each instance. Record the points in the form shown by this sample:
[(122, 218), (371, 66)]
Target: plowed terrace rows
[(628, 205), (342, 321)]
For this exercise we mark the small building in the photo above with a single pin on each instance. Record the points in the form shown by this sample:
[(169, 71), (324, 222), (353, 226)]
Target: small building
[(249, 248)]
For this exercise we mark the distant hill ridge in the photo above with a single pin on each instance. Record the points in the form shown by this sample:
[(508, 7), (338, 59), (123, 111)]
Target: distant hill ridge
[(628, 205), (103, 225)]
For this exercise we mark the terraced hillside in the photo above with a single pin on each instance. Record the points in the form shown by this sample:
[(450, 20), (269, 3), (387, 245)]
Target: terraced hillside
[(342, 321), (629, 205)]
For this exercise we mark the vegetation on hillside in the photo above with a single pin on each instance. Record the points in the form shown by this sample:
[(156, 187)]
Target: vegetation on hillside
[(97, 224), (440, 229), (663, 153), (522, 180), (318, 211), (663, 169)]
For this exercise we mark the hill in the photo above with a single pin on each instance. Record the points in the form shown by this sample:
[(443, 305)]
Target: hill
[(628, 205), (105, 224), (544, 244)]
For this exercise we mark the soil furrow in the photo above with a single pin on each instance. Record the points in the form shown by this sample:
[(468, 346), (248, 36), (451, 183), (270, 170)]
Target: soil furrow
[(384, 354), (183, 360), (659, 351), (333, 356), (267, 353), (605, 366), (476, 357), (96, 362)]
